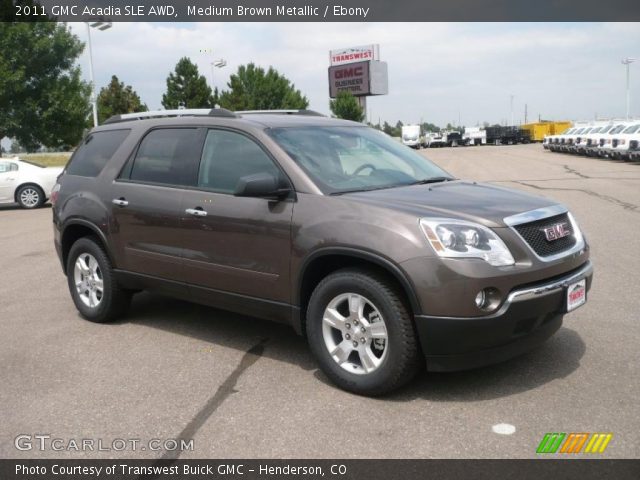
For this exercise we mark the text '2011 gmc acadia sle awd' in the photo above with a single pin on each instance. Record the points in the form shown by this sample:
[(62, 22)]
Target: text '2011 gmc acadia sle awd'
[(374, 254)]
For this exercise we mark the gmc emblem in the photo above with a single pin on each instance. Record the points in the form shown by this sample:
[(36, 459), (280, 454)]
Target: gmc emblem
[(554, 232)]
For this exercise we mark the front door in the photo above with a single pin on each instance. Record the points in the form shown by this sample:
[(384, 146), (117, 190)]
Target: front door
[(236, 245)]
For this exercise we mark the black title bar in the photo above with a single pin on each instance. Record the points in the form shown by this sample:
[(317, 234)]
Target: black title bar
[(123, 469), (322, 10)]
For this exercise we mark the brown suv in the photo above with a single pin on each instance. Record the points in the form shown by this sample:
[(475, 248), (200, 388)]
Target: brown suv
[(372, 252)]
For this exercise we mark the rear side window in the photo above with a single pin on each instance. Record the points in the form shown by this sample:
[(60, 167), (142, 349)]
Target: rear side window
[(94, 153), (165, 156), (229, 156), (8, 167)]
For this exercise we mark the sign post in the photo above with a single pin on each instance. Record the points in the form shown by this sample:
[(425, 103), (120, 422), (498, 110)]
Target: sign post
[(359, 71)]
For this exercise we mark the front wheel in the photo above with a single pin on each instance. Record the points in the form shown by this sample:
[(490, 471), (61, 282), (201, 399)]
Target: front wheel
[(92, 283), (361, 333)]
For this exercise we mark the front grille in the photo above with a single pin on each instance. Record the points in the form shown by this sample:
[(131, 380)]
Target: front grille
[(615, 142), (533, 234)]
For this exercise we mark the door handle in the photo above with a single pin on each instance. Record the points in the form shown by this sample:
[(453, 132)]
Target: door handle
[(198, 212), (121, 202)]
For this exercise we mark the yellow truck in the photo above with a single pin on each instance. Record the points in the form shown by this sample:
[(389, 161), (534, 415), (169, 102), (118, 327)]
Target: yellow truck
[(539, 130)]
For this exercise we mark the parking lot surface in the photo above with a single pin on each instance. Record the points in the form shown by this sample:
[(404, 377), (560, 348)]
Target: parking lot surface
[(245, 388)]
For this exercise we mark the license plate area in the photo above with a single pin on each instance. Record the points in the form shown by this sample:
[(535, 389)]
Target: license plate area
[(576, 294)]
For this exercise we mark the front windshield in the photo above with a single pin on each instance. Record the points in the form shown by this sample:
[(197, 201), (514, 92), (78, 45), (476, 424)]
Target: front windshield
[(632, 129), (348, 159)]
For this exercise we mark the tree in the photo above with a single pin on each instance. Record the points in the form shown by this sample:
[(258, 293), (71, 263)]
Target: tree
[(253, 88), (43, 99), (346, 106), (430, 127), (185, 86), (116, 98), (16, 147)]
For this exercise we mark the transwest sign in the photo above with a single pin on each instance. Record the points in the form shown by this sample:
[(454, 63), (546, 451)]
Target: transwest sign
[(354, 54)]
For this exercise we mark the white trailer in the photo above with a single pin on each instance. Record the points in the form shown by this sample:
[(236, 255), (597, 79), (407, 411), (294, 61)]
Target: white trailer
[(474, 136)]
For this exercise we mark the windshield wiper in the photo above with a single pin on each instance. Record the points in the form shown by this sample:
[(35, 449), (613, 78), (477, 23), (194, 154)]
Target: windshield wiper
[(424, 181), (364, 189)]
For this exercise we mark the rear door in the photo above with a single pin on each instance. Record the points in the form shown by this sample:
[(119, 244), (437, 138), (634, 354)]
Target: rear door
[(146, 202), (236, 245), (8, 181)]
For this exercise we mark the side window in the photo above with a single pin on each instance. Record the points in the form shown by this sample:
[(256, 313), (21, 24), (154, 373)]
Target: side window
[(6, 167), (94, 153), (165, 156), (227, 157)]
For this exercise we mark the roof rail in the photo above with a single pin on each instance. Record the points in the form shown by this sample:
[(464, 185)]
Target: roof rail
[(281, 112), (185, 112)]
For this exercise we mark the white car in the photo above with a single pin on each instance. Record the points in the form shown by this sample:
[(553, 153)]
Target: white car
[(26, 183), (556, 141), (621, 143), (591, 141), (606, 141)]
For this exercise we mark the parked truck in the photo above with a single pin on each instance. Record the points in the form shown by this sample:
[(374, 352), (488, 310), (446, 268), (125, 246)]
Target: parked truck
[(474, 136), (411, 136), (539, 130), (509, 135)]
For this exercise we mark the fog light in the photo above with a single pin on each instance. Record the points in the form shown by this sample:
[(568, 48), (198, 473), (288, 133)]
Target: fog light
[(481, 299)]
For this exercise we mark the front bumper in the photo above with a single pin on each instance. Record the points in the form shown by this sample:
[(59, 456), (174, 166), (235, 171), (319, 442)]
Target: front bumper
[(528, 317)]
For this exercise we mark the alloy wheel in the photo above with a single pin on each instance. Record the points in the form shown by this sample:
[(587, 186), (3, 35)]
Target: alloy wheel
[(355, 333)]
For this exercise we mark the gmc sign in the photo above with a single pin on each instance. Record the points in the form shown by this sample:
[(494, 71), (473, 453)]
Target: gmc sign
[(360, 78)]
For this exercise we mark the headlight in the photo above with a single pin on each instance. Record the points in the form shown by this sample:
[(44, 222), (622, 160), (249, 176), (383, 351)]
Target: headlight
[(459, 239)]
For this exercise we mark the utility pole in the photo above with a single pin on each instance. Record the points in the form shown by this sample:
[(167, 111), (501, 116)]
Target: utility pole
[(511, 109), (628, 61), (525, 113)]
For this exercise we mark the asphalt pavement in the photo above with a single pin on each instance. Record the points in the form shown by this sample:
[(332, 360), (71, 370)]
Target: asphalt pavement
[(246, 388)]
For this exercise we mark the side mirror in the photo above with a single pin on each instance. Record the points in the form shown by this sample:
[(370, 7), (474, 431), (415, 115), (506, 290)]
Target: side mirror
[(262, 185)]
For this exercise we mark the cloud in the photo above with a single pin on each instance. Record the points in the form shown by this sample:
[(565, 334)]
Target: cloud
[(438, 72)]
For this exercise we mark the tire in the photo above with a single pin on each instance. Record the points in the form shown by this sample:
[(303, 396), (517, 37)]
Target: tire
[(30, 196), (377, 365), (89, 265)]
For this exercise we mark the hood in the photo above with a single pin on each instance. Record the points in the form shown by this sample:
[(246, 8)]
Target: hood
[(477, 202)]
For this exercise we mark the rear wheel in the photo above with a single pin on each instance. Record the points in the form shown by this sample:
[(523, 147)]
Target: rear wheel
[(30, 196), (361, 333), (92, 284)]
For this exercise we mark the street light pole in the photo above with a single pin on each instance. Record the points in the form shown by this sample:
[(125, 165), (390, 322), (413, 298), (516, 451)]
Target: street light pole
[(628, 61), (217, 64), (94, 100)]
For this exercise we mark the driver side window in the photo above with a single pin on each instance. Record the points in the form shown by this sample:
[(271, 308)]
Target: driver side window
[(227, 157)]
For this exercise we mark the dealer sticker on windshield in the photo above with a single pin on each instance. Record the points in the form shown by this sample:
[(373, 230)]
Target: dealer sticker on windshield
[(576, 294)]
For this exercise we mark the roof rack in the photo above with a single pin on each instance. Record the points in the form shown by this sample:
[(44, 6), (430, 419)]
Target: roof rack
[(281, 112), (184, 112)]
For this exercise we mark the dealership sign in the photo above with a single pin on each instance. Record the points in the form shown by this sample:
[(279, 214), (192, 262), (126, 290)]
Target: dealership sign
[(359, 78), (354, 54)]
